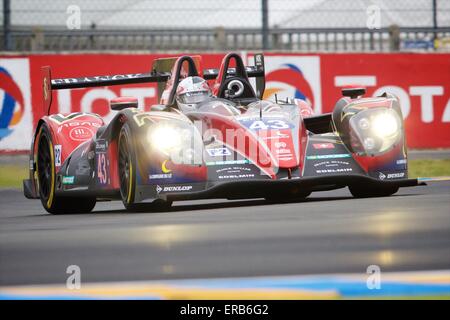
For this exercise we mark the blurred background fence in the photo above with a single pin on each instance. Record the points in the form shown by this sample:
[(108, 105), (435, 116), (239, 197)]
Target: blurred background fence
[(205, 25)]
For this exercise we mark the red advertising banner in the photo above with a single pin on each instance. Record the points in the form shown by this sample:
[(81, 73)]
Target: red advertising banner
[(421, 81)]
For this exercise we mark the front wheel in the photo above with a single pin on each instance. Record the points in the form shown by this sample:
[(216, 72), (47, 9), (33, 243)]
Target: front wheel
[(127, 175), (367, 192), (46, 176), (127, 168)]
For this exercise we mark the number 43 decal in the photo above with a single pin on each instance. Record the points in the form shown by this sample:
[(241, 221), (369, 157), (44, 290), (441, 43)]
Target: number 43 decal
[(102, 172), (268, 124)]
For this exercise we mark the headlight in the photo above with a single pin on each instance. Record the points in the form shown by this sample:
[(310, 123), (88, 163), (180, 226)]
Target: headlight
[(385, 125), (364, 124), (182, 144), (165, 138), (375, 130)]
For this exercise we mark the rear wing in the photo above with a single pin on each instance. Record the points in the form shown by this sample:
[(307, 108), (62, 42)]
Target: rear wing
[(50, 84), (160, 77)]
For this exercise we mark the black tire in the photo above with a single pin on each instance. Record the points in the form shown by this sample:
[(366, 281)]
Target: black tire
[(365, 192), (127, 175), (127, 167), (46, 176)]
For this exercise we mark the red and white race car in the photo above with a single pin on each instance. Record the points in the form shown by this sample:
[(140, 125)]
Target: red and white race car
[(232, 146)]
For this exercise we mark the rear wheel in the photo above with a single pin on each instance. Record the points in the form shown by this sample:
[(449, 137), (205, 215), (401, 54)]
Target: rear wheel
[(46, 175), (127, 175), (366, 192)]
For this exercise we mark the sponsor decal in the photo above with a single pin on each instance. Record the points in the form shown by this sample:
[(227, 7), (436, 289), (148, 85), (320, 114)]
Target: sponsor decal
[(235, 173), (160, 189), (75, 124), (323, 145), (333, 166), (332, 163), (218, 152), (81, 133), (97, 78), (395, 175), (160, 176), (284, 155), (294, 77), (218, 163), (339, 170), (15, 108), (237, 176), (401, 161), (281, 146), (329, 156), (68, 179), (102, 163), (233, 169), (164, 168), (283, 151), (12, 96), (101, 146), (58, 150), (278, 135), (165, 173)]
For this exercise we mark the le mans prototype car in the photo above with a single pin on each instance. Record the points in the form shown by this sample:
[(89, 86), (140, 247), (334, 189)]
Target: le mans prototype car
[(233, 146)]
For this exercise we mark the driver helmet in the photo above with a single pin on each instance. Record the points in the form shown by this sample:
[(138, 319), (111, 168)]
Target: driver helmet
[(191, 91)]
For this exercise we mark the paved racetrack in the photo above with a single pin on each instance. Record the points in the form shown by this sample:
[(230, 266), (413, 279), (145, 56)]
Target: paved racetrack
[(329, 233)]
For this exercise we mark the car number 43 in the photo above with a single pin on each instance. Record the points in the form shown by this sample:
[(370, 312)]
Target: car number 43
[(268, 124), (102, 173)]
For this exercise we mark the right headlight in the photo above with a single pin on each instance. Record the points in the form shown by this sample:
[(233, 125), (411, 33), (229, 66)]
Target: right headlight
[(375, 130)]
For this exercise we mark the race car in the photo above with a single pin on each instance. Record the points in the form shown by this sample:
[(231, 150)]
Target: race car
[(235, 145)]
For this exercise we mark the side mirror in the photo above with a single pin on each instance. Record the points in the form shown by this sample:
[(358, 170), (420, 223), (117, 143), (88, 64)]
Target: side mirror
[(121, 103), (353, 92)]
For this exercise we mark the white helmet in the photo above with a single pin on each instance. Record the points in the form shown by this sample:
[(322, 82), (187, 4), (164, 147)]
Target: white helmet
[(191, 91)]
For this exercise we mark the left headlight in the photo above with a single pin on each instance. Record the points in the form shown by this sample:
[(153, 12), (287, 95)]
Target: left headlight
[(180, 143), (165, 138), (375, 130)]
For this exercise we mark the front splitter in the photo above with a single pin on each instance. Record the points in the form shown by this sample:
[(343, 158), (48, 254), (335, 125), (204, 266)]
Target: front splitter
[(248, 189)]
